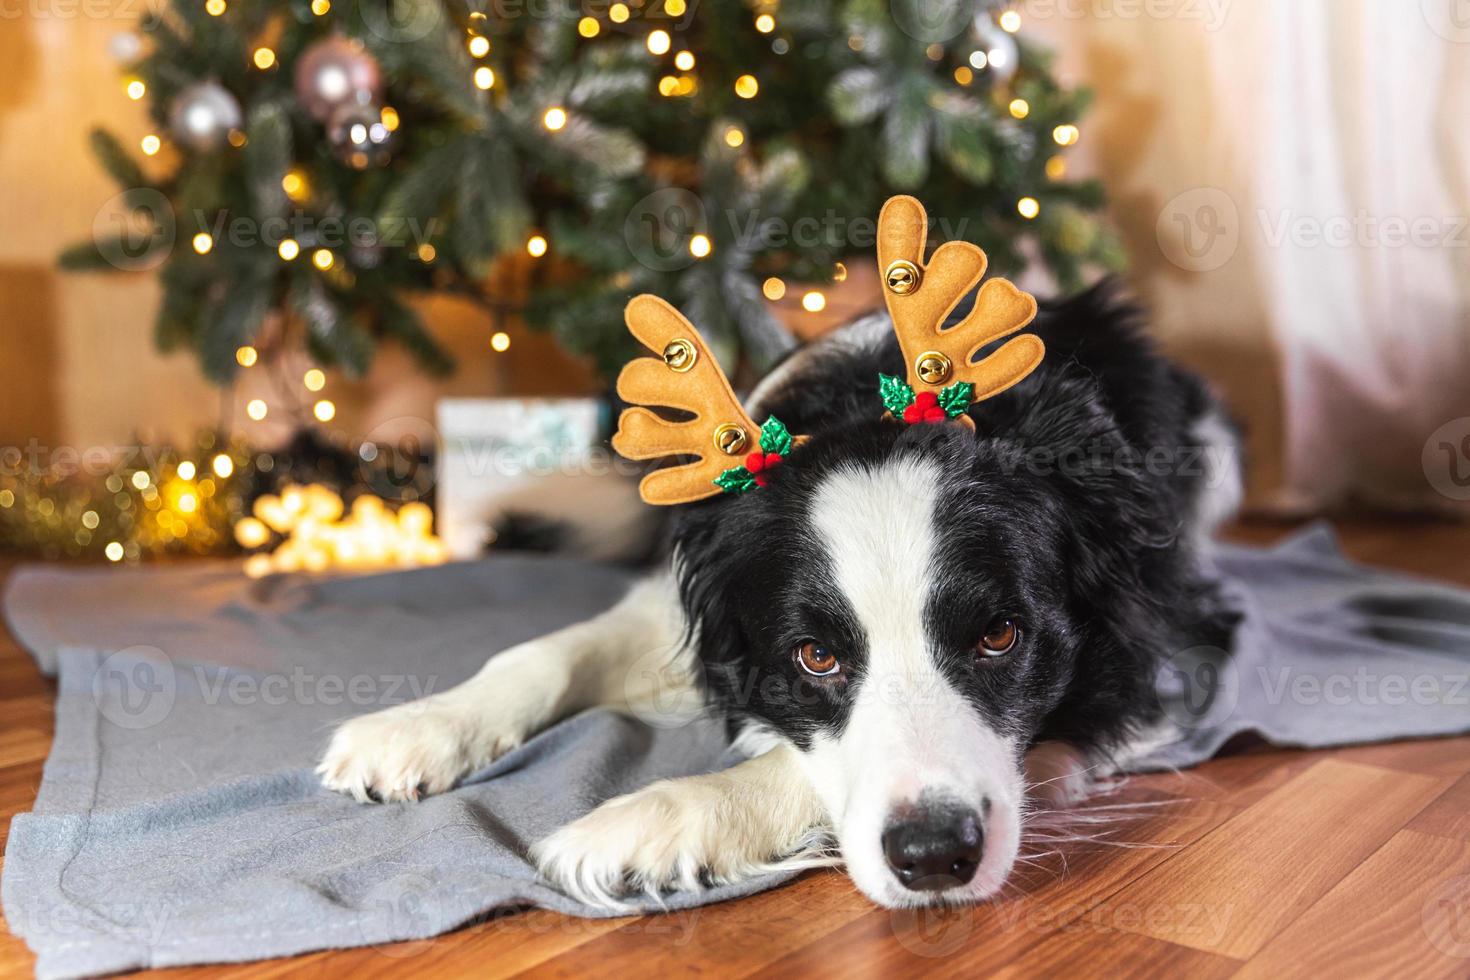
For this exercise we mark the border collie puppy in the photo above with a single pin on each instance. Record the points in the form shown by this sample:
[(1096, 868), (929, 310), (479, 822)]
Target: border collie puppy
[(908, 626)]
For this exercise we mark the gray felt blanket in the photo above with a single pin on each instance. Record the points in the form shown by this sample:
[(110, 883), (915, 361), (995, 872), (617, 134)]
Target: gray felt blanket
[(179, 821)]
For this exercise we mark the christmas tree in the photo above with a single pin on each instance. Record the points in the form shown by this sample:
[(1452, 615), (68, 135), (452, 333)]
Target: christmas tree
[(316, 163)]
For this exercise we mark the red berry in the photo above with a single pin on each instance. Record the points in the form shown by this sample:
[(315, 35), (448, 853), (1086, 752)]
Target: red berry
[(926, 400), (913, 414), (760, 479), (772, 459), (935, 414), (755, 462)]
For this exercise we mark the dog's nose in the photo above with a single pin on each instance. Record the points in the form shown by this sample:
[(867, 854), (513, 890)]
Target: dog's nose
[(935, 848)]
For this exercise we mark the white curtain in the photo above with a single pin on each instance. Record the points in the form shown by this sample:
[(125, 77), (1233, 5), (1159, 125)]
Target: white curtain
[(1336, 133), (1361, 208)]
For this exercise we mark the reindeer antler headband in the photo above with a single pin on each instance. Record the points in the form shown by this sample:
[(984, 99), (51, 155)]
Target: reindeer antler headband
[(733, 454)]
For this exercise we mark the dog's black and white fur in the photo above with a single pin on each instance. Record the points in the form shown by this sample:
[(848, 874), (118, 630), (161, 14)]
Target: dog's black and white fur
[(1075, 511)]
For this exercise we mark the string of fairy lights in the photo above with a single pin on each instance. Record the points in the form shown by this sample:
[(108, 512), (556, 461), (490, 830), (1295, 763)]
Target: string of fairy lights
[(209, 498), (997, 53)]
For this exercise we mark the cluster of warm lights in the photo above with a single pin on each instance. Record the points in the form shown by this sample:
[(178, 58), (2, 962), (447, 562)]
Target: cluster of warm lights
[(813, 300), (1063, 135), (1010, 22), (672, 85), (177, 499), (317, 536), (314, 380), (659, 42), (295, 186)]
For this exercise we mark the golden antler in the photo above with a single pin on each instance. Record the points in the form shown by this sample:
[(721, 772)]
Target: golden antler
[(686, 377), (921, 295)]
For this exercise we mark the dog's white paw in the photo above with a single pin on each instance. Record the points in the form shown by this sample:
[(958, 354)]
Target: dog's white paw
[(676, 835), (411, 750)]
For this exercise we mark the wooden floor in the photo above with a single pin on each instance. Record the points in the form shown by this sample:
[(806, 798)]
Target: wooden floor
[(1260, 863)]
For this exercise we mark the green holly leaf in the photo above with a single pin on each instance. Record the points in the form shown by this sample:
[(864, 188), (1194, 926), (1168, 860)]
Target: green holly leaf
[(956, 398), (775, 437), (737, 479), (896, 394)]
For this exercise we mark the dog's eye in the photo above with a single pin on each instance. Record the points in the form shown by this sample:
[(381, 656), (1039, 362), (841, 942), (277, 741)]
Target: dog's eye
[(816, 659), (1000, 637)]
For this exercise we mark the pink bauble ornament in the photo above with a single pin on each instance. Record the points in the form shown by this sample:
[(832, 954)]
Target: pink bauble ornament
[(334, 72)]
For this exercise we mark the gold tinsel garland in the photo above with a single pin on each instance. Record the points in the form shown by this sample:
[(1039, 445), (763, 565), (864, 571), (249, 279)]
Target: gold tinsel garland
[(149, 503), (220, 498)]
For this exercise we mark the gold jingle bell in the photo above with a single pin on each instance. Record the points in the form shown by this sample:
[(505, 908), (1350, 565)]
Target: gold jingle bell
[(933, 368), (901, 277), (731, 439), (680, 355)]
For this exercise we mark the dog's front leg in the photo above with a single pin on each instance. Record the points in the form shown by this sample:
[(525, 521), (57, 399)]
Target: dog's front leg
[(681, 834), (629, 658)]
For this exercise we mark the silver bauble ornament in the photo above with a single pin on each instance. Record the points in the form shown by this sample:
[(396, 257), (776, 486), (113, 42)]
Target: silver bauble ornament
[(334, 72), (125, 46), (1002, 54), (202, 116), (365, 255), (359, 136)]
